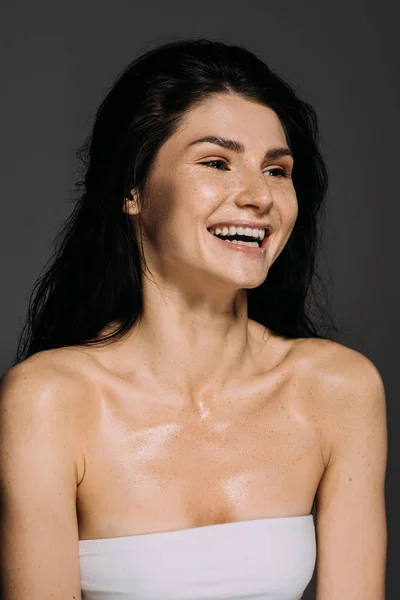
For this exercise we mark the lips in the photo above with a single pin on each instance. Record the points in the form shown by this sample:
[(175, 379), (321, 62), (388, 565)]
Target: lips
[(251, 250), (242, 232)]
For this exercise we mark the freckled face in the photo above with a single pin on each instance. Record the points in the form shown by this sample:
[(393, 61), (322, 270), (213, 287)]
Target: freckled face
[(195, 186)]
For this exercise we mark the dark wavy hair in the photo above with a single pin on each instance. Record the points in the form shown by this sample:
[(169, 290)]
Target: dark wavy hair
[(94, 277)]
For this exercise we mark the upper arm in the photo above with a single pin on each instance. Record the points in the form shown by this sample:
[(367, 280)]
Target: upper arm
[(351, 516), (38, 479)]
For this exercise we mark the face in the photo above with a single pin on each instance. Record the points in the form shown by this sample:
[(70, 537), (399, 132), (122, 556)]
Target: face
[(198, 186)]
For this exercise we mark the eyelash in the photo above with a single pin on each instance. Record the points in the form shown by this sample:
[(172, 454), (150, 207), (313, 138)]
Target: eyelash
[(283, 172)]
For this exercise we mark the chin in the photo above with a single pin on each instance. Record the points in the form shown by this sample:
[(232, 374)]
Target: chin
[(247, 284)]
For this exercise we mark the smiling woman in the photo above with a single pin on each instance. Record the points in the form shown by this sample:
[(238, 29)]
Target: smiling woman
[(139, 120), (178, 403)]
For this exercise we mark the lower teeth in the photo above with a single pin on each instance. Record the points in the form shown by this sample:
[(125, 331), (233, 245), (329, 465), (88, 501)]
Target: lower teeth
[(253, 244)]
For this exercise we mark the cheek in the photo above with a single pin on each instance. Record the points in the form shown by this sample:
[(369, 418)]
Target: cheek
[(199, 192), (157, 211), (288, 206), (173, 206), (295, 208), (193, 201)]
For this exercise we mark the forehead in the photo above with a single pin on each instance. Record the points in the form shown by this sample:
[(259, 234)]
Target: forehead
[(232, 115)]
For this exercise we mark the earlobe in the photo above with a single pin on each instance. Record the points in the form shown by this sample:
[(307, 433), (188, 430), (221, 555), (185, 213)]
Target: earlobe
[(131, 204)]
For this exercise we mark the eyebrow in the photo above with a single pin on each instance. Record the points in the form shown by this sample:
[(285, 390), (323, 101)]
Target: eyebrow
[(238, 147)]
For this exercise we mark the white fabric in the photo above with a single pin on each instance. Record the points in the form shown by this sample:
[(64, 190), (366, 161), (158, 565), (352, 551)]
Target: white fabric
[(271, 559)]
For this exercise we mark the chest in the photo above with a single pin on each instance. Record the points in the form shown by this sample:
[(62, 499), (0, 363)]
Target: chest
[(156, 466)]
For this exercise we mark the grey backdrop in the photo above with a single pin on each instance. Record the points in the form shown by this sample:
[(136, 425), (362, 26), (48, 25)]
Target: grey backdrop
[(59, 59)]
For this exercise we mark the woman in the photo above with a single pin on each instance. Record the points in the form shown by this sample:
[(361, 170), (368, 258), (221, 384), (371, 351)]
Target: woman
[(175, 409)]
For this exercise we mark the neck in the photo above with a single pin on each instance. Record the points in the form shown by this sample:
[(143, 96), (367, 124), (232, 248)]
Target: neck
[(191, 342)]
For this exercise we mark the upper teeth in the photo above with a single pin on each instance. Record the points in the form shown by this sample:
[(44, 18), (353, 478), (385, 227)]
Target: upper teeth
[(232, 230)]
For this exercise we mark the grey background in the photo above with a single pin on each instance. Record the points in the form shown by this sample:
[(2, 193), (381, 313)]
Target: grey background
[(58, 59)]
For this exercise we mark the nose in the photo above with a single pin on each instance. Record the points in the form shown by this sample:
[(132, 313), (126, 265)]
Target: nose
[(255, 193)]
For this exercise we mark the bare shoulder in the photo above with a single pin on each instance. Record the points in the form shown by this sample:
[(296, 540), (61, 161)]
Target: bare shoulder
[(54, 375), (339, 369), (346, 386), (330, 357), (48, 390)]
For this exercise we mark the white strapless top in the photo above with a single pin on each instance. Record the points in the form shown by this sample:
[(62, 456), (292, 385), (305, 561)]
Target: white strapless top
[(270, 559)]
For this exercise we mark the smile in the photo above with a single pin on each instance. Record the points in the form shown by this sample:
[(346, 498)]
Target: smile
[(251, 241)]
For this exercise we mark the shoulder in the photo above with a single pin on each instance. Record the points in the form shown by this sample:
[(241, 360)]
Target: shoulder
[(347, 389), (45, 396), (52, 375), (330, 371), (341, 370)]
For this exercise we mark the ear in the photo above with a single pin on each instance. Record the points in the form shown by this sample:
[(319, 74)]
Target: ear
[(132, 204)]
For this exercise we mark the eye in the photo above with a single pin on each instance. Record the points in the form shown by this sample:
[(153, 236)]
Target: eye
[(279, 172), (219, 162)]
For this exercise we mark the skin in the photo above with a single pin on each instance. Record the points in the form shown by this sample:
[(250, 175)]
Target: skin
[(195, 310), (199, 416), (197, 378)]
